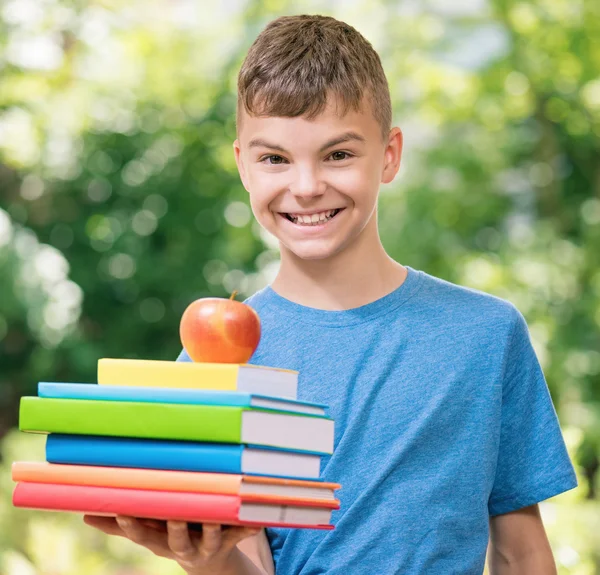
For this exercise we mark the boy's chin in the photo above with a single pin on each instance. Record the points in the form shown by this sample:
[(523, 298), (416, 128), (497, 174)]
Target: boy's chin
[(310, 253)]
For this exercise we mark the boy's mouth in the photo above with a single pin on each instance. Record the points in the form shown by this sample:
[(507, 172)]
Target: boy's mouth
[(312, 219)]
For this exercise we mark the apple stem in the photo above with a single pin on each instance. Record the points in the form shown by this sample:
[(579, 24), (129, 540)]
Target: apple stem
[(233, 294)]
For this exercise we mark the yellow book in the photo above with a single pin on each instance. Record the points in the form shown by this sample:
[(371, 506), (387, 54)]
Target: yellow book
[(247, 378)]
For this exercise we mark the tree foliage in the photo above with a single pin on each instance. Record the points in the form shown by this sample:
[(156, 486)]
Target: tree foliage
[(120, 202)]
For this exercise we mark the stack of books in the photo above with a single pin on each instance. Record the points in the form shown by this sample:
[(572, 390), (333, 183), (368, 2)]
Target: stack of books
[(195, 442)]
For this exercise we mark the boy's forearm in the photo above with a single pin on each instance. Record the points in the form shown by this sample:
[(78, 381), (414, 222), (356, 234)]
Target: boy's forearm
[(240, 564), (539, 562), (237, 564)]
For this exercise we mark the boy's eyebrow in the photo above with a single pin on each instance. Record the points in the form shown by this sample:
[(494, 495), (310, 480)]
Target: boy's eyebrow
[(346, 137), (260, 143)]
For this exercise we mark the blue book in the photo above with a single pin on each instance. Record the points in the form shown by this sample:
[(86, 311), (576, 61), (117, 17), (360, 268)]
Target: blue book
[(177, 395), (181, 455)]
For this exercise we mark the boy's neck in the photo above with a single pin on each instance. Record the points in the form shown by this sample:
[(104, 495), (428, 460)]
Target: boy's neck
[(362, 273)]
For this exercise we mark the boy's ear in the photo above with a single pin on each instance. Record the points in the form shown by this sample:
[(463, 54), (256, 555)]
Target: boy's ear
[(240, 164), (393, 154)]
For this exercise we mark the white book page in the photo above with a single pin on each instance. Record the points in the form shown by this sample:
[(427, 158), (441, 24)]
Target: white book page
[(266, 462), (284, 514), (287, 431)]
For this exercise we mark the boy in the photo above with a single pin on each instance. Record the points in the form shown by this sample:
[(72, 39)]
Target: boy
[(446, 436)]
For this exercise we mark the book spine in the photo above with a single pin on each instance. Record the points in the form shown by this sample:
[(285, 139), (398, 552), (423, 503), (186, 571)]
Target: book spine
[(143, 453), (198, 507), (147, 373), (89, 391), (99, 476), (149, 504), (131, 419)]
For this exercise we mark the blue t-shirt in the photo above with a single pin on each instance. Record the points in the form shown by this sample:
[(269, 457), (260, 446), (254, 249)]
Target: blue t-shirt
[(442, 419)]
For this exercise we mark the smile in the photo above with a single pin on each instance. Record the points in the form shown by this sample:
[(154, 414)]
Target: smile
[(315, 219)]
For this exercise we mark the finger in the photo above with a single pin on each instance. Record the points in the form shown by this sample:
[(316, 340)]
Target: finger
[(179, 540), (144, 536), (211, 539), (106, 524), (234, 535), (155, 524)]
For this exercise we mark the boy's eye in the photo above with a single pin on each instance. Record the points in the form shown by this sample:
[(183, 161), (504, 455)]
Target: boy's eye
[(273, 159), (338, 156)]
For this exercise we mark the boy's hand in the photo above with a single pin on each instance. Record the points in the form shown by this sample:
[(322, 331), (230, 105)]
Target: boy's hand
[(208, 552)]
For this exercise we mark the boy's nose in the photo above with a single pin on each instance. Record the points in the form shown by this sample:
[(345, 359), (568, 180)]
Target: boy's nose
[(307, 184)]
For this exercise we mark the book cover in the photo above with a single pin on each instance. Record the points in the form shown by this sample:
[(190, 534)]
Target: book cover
[(212, 423), (249, 488), (175, 395), (131, 419), (192, 375), (181, 455), (165, 505)]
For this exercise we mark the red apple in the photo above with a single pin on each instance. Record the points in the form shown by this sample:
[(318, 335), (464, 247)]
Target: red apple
[(218, 330)]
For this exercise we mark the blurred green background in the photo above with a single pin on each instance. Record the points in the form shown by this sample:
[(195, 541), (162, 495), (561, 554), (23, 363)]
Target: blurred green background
[(120, 203)]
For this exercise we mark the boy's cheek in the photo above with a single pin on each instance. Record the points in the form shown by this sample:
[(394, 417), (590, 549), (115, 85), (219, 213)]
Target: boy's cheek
[(264, 193), (261, 209)]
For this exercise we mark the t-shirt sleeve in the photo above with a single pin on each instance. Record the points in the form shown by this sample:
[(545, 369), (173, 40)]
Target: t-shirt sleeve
[(183, 356), (533, 463)]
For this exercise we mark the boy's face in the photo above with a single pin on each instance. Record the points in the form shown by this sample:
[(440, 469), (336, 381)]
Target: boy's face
[(313, 184)]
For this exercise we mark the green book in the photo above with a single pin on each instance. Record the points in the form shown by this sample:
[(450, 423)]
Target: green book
[(206, 423)]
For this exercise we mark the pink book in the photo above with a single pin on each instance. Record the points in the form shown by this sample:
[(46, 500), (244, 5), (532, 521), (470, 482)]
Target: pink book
[(182, 506)]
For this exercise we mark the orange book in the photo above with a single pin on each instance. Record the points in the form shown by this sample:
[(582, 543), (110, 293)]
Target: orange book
[(248, 487)]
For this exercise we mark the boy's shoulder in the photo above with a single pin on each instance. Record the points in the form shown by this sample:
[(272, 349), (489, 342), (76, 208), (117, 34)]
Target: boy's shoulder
[(448, 296), (436, 319), (431, 299), (469, 313)]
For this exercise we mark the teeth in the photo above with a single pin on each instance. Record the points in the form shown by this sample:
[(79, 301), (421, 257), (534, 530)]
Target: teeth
[(312, 219)]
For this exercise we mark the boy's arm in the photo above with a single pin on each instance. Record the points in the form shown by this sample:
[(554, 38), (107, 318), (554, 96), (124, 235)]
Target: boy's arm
[(519, 545), (257, 549)]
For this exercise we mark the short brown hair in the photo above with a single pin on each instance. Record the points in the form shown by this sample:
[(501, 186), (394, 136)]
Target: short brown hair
[(296, 62)]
